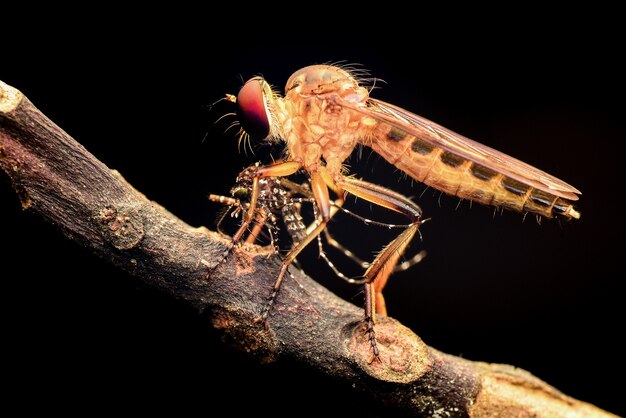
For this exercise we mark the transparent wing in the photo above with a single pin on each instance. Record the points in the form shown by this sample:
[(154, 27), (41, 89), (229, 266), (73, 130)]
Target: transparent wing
[(443, 138)]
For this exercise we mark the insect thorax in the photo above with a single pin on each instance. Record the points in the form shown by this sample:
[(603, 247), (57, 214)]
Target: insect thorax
[(314, 122)]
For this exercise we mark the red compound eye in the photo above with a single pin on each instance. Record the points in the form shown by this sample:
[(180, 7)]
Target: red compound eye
[(252, 109)]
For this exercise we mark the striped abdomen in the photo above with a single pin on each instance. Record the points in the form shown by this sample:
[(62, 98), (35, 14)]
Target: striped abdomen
[(466, 179)]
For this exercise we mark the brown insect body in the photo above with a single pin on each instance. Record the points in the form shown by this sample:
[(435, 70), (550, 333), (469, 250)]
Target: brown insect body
[(326, 113)]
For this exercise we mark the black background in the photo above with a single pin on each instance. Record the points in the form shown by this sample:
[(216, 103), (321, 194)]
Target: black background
[(544, 297)]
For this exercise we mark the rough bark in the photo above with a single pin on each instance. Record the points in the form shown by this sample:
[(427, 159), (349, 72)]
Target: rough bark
[(57, 178)]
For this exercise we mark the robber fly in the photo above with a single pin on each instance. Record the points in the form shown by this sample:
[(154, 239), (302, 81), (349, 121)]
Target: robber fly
[(326, 113), (279, 202)]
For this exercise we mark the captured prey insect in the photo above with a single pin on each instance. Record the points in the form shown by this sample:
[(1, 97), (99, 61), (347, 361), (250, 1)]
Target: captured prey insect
[(326, 113), (282, 199)]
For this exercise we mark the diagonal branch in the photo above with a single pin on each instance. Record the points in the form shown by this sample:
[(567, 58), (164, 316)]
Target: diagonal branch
[(60, 180)]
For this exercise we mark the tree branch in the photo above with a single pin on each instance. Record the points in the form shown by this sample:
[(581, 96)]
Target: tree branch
[(60, 180)]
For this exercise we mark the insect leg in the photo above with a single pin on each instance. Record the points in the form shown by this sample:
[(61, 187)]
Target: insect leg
[(228, 201), (296, 229), (320, 191), (378, 272), (259, 222), (338, 206), (405, 265), (381, 196), (385, 262), (370, 320), (332, 266)]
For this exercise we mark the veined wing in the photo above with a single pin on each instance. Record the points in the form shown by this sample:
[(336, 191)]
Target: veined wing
[(440, 137)]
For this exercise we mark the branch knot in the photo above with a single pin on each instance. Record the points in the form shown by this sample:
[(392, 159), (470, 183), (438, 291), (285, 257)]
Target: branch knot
[(122, 227)]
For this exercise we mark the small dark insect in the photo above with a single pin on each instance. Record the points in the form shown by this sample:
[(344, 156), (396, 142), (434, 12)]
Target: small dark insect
[(267, 202)]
